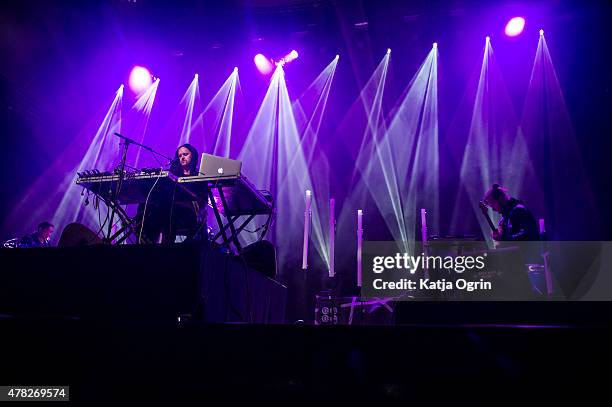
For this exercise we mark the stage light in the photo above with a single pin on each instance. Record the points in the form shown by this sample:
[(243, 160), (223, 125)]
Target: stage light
[(515, 26), (435, 45), (216, 119), (101, 153), (291, 56), (488, 39), (388, 50), (140, 79), (189, 101), (541, 32), (287, 58), (337, 56), (263, 65), (273, 149)]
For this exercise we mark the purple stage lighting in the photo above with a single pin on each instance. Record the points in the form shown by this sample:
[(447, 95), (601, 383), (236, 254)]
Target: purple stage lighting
[(140, 79), (263, 65), (515, 26)]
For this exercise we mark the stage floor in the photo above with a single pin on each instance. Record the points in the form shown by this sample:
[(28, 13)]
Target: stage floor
[(318, 363), (113, 334)]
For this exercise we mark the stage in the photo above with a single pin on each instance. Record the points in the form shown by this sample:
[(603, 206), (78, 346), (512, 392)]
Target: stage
[(138, 285), (327, 200), (174, 323), (313, 363)]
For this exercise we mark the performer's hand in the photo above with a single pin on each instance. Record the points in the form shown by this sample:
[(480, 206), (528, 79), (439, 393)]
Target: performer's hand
[(483, 208), (496, 235)]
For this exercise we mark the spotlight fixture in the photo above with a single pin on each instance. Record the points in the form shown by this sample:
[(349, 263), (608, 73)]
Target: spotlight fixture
[(541, 32), (291, 56), (287, 58), (140, 79), (263, 65), (515, 26)]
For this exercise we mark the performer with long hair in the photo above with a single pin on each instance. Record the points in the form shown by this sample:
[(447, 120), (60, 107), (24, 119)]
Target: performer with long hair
[(517, 223), (163, 215)]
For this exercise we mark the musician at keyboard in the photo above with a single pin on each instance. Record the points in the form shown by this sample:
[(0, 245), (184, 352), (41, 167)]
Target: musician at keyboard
[(185, 161), (165, 216)]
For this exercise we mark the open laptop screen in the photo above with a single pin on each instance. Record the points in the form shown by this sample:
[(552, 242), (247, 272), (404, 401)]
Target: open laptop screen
[(215, 166)]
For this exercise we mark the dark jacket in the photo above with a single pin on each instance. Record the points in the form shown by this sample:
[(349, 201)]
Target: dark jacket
[(32, 241), (517, 222)]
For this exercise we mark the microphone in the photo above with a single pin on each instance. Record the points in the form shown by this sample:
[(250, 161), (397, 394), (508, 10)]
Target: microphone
[(127, 139)]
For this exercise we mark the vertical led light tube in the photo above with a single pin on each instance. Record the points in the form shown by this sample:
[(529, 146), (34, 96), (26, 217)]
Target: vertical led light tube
[(332, 235), (359, 245), (307, 216)]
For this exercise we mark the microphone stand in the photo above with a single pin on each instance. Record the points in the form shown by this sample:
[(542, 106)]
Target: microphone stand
[(114, 198), (130, 141)]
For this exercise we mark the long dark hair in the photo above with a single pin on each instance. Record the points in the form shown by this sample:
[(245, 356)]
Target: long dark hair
[(176, 169)]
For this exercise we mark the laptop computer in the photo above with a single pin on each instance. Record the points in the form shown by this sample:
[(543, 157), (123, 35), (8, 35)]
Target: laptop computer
[(215, 166)]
